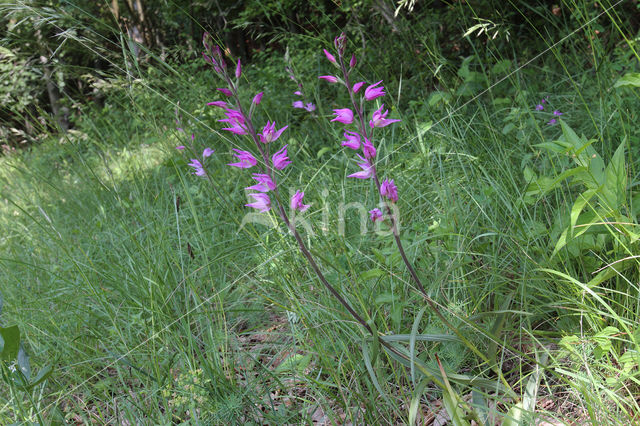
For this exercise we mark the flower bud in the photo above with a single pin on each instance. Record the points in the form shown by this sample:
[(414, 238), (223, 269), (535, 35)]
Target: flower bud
[(238, 69)]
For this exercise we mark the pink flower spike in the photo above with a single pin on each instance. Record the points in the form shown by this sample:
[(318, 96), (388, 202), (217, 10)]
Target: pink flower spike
[(269, 133), (373, 92), (310, 107), (379, 118), (330, 57), (262, 203), (343, 115), (197, 166), (238, 69), (280, 159), (265, 183), (193, 136), (224, 91), (296, 202), (247, 160), (219, 104), (389, 189), (376, 215), (257, 98), (368, 149), (367, 169), (352, 62), (298, 104), (352, 140), (297, 92), (357, 86), (329, 78), (180, 147), (207, 152)]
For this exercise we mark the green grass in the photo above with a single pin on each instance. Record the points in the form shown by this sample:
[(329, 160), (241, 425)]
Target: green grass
[(151, 309)]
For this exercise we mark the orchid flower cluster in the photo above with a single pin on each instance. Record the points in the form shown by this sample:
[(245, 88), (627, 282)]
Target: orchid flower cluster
[(360, 137), (239, 122), (556, 113)]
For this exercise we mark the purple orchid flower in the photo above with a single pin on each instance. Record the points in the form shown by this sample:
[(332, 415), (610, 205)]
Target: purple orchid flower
[(257, 98), (379, 118), (329, 78), (296, 202), (389, 189), (357, 86), (236, 120), (247, 160), (238, 69), (310, 107), (352, 140), (343, 115), (330, 57), (367, 169), (224, 91), (269, 133), (298, 104), (368, 149), (262, 203), (280, 159), (373, 92), (219, 104), (375, 215), (265, 183), (197, 166), (207, 152)]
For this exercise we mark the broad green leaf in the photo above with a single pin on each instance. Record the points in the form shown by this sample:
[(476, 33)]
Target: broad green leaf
[(412, 341), (372, 374), (415, 400), (322, 151), (562, 241), (23, 363), (585, 156), (578, 205), (442, 338), (559, 147), (9, 342), (610, 272), (615, 184), (514, 416), (371, 273), (385, 298), (42, 375), (631, 79), (297, 362)]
